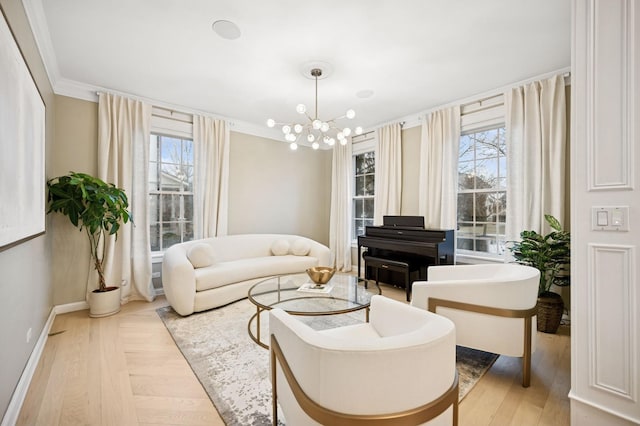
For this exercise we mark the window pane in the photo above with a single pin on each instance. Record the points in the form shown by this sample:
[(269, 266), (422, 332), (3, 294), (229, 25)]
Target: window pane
[(502, 164), (364, 186), (483, 206), (369, 184), (188, 178), (486, 144), (170, 208), (482, 166), (154, 209), (487, 173), (187, 152), (170, 235), (466, 180), (153, 176), (171, 149), (359, 190), (188, 231), (172, 178), (188, 207), (358, 226), (368, 207), (466, 148), (465, 207), (465, 244), (358, 208), (154, 231), (365, 163)]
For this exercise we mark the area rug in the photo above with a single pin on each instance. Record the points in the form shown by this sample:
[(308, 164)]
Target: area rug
[(235, 371)]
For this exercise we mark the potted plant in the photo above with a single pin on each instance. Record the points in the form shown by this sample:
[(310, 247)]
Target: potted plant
[(551, 255), (99, 209)]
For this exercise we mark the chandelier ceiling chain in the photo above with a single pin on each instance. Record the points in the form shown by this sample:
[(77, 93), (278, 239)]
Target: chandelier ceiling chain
[(315, 128)]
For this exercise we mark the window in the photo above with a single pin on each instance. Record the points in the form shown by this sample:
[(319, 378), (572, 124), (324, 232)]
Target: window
[(482, 192), (364, 182), (170, 191)]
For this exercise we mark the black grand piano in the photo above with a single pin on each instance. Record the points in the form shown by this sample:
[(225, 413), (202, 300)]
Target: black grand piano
[(402, 240)]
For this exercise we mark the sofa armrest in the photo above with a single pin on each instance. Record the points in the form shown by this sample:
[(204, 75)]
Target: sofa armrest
[(320, 252), (179, 280)]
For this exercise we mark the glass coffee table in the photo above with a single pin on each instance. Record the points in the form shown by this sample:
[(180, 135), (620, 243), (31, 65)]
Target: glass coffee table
[(342, 294)]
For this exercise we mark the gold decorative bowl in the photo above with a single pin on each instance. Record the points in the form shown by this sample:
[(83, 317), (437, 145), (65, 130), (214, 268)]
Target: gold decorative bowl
[(321, 274)]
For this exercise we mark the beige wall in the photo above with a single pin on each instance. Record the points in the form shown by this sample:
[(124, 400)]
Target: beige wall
[(25, 278), (410, 170), (271, 190), (275, 190), (76, 135)]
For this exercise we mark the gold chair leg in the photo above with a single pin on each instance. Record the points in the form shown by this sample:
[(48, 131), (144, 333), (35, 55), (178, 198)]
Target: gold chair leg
[(526, 358), (274, 392)]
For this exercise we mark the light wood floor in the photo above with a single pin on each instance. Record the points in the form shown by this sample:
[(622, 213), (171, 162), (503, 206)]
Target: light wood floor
[(126, 370)]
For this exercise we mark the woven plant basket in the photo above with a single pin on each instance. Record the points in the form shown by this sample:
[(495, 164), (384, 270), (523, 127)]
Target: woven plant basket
[(550, 309)]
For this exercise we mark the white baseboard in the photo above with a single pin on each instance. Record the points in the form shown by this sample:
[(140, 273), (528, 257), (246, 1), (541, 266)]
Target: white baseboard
[(71, 307), (13, 410), (17, 399), (592, 413)]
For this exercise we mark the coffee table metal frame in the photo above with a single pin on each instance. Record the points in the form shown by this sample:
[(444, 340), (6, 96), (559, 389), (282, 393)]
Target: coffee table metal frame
[(261, 307)]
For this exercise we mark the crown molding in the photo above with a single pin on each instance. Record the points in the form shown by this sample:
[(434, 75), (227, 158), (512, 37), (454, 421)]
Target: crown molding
[(76, 89), (38, 22)]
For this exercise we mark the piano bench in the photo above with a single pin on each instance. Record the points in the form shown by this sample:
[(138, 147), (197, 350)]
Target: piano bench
[(405, 268)]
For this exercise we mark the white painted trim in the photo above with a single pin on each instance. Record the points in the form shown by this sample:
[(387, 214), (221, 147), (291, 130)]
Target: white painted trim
[(601, 176), (595, 406), (38, 23), (71, 307), (622, 271), (17, 399)]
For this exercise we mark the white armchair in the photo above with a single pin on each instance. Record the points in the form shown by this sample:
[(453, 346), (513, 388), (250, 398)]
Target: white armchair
[(492, 306), (397, 369)]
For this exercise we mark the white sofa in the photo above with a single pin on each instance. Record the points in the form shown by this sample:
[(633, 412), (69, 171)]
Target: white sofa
[(204, 274)]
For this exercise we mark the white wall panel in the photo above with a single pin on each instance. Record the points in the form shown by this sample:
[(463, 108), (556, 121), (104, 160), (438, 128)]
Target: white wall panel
[(609, 77), (605, 149), (610, 290)]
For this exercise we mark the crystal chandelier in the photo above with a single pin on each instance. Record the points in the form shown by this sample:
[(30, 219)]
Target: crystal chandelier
[(316, 130)]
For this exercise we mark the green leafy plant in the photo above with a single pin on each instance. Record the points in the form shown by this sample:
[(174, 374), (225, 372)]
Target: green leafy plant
[(550, 254), (93, 205)]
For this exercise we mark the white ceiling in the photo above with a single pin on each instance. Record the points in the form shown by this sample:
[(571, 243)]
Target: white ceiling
[(413, 54)]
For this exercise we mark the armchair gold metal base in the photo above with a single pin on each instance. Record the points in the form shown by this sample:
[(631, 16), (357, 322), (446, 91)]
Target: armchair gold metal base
[(526, 314), (326, 416)]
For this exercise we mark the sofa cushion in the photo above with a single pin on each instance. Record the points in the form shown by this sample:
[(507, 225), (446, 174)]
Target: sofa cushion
[(280, 247), (223, 273), (201, 255), (300, 247)]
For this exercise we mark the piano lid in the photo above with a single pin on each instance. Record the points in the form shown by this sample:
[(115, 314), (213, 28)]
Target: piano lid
[(413, 222)]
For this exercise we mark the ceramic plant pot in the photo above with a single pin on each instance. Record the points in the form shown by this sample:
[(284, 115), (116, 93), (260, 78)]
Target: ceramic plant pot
[(104, 303)]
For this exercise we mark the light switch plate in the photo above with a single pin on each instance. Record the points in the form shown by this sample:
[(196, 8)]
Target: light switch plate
[(610, 218)]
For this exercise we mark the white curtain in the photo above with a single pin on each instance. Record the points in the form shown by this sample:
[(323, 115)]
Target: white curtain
[(341, 199), (123, 160), (211, 142), (437, 196), (536, 130), (388, 183)]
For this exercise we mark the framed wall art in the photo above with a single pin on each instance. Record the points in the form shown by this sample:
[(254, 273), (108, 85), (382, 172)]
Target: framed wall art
[(22, 146)]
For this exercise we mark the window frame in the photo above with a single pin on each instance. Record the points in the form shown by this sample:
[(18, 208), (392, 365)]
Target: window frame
[(181, 220), (361, 144), (478, 116)]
